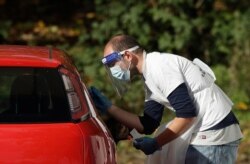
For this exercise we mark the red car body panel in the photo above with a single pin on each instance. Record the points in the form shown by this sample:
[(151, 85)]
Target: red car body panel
[(27, 143), (81, 142), (33, 57)]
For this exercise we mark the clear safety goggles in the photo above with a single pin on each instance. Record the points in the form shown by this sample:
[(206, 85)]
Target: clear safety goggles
[(110, 61), (112, 58)]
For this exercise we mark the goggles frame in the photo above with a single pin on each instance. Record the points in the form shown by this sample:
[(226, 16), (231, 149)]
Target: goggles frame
[(116, 56)]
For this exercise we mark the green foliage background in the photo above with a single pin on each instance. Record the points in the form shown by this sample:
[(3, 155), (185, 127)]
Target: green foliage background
[(216, 31)]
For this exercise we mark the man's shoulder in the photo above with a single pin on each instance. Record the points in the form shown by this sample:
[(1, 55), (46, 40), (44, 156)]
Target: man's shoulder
[(159, 53), (161, 57)]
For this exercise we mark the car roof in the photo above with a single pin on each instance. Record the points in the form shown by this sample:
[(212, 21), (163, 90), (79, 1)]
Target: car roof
[(34, 56)]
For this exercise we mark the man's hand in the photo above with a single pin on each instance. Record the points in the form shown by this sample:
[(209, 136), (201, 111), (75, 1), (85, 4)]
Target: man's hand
[(146, 144), (102, 103)]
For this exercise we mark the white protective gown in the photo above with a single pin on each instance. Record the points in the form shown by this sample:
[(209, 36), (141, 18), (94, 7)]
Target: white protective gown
[(163, 73)]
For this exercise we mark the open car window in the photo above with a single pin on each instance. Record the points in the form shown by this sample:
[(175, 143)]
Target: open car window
[(32, 95)]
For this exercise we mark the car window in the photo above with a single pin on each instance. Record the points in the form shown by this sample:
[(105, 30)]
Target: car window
[(32, 95)]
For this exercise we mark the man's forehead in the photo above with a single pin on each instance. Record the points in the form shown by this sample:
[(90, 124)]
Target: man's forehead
[(108, 50)]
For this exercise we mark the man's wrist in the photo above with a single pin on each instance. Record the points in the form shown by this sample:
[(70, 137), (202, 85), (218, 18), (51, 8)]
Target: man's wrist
[(111, 108), (158, 143)]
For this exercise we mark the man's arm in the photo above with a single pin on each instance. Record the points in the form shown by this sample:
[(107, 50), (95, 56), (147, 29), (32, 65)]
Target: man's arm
[(185, 109), (144, 124), (186, 113), (177, 127), (126, 118)]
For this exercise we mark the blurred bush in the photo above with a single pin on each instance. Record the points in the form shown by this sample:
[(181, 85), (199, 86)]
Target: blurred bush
[(216, 31)]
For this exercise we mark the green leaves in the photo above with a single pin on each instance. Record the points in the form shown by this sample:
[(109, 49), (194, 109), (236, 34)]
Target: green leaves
[(210, 30), (216, 31), (4, 27)]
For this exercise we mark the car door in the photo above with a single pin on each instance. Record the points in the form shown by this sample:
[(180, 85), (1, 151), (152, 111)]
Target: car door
[(82, 110)]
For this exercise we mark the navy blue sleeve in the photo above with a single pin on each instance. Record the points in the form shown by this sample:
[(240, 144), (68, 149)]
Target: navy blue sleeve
[(152, 116), (227, 121), (181, 101)]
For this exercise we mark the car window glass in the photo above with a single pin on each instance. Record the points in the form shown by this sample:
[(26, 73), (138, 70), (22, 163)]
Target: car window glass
[(32, 95)]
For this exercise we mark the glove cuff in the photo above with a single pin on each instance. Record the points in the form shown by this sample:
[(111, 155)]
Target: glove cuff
[(156, 145)]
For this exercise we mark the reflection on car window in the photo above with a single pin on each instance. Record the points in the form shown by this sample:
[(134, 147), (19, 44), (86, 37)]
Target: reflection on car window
[(32, 95)]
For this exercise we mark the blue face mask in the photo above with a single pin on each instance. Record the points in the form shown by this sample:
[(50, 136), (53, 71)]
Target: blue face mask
[(119, 73)]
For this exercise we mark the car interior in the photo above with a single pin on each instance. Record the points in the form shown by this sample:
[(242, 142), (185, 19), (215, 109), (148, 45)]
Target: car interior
[(32, 95)]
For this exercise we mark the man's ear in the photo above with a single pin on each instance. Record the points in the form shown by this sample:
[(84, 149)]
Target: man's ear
[(128, 55)]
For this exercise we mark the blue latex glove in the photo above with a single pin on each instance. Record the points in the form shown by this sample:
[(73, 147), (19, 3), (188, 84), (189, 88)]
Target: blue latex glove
[(146, 144), (102, 103)]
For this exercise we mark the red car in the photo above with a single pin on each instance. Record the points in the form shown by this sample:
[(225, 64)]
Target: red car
[(46, 113)]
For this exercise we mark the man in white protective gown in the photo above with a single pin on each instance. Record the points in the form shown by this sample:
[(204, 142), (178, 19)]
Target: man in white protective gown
[(204, 129)]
